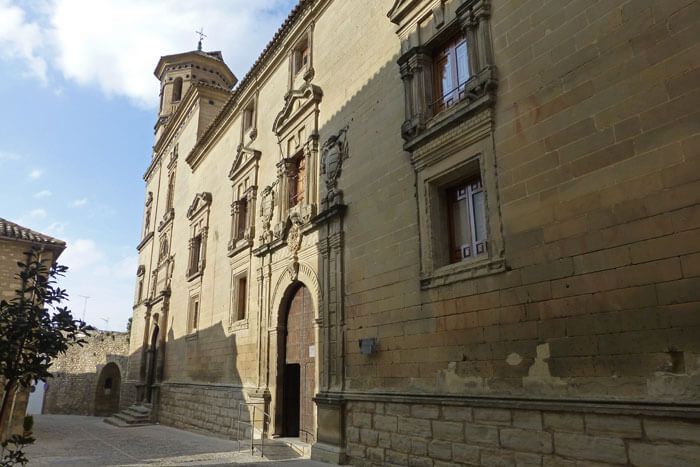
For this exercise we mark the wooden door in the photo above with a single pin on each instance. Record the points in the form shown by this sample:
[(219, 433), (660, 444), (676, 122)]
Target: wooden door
[(300, 350)]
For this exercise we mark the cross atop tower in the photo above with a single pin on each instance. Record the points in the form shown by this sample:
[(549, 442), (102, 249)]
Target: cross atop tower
[(201, 35)]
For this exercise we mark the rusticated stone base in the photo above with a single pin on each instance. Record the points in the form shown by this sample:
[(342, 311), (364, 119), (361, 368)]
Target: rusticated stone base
[(210, 408), (382, 433)]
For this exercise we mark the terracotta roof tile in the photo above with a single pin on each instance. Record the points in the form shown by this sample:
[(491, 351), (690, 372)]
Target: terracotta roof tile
[(17, 232)]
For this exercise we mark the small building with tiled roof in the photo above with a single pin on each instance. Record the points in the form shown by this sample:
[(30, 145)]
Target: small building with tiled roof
[(10, 231), (15, 242)]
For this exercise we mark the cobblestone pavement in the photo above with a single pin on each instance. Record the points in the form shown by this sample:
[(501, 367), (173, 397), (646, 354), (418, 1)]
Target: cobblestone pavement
[(87, 441)]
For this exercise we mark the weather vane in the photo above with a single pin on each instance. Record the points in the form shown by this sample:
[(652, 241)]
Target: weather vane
[(201, 35)]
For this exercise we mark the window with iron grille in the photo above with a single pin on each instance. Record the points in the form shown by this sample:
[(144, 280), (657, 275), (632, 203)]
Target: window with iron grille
[(450, 73)]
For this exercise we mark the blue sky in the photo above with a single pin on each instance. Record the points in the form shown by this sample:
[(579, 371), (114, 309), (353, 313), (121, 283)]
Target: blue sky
[(76, 128)]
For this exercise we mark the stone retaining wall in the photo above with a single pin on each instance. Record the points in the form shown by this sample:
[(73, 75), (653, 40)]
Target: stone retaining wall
[(434, 435), (203, 407)]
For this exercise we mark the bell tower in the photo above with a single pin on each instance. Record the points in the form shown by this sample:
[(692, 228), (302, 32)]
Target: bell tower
[(179, 72)]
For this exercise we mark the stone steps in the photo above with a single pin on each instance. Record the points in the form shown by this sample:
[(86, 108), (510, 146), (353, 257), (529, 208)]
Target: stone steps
[(136, 415)]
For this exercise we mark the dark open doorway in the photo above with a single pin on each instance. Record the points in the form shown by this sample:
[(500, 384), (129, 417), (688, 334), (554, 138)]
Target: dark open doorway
[(292, 399)]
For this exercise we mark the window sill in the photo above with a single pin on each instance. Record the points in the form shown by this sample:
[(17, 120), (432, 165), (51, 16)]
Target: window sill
[(237, 246), (239, 325), (479, 88), (194, 275), (464, 270), (145, 240), (192, 336)]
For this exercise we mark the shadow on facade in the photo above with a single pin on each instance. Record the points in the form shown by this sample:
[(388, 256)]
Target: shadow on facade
[(365, 214)]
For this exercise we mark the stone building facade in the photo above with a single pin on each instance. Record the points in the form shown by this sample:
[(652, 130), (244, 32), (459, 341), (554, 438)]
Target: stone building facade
[(463, 234), (87, 379), (15, 242)]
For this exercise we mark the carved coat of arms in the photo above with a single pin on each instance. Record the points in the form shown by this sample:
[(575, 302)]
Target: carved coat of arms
[(334, 151)]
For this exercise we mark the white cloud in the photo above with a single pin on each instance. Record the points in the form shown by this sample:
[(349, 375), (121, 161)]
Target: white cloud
[(56, 228), (38, 214), (31, 218), (42, 194), (35, 174), (79, 202), (81, 254), (8, 156), (115, 44), (22, 40)]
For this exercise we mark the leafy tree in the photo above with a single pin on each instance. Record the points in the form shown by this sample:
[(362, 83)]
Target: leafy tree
[(34, 330), (11, 449)]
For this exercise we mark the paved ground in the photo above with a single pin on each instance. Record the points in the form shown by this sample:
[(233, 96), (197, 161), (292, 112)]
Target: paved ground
[(87, 441)]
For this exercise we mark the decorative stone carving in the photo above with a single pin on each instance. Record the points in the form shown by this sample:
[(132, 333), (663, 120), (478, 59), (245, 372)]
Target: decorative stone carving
[(333, 152), (439, 14), (244, 158), (167, 217), (296, 102), (267, 205), (294, 239), (141, 270), (163, 250), (200, 202)]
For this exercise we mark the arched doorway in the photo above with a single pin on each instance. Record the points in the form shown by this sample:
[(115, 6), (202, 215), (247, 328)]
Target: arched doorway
[(298, 367), (107, 391), (151, 363)]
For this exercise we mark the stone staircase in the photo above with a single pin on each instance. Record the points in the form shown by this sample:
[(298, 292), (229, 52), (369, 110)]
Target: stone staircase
[(136, 415)]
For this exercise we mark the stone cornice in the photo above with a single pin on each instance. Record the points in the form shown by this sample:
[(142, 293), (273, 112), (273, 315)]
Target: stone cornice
[(145, 240), (599, 406)]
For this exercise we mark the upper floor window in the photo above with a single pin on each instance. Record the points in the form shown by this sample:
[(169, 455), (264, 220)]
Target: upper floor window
[(248, 116), (243, 176), (241, 299), (296, 180), (466, 215), (450, 73), (449, 67), (177, 90), (195, 265), (193, 314), (242, 223), (301, 56), (198, 214)]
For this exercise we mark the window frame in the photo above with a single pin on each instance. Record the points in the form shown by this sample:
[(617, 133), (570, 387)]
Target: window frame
[(475, 247), (296, 193), (243, 176), (433, 182), (198, 215), (440, 26), (448, 48), (301, 58), (194, 313), (239, 312)]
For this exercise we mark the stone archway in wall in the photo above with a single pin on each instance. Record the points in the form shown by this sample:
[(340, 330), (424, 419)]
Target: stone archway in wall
[(295, 355), (107, 390), (151, 361)]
